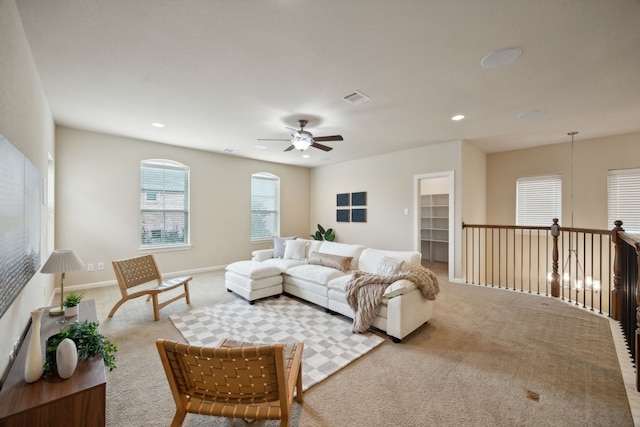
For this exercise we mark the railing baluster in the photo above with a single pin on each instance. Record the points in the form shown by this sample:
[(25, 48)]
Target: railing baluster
[(555, 276), (486, 277), (493, 264), (616, 294), (501, 256), (473, 259)]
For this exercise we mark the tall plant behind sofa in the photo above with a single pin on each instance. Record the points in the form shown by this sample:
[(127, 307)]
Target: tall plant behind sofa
[(322, 234)]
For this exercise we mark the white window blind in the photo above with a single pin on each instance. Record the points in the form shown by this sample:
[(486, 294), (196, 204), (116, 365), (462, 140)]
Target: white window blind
[(164, 203), (623, 187), (539, 200), (265, 206)]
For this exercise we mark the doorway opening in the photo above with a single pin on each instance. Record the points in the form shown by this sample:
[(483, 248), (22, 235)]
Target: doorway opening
[(434, 234)]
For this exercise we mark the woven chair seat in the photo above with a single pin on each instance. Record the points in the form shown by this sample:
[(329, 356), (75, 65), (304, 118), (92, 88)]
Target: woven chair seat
[(135, 273), (234, 379)]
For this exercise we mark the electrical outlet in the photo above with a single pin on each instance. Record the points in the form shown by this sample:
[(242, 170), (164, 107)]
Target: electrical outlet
[(100, 266), (89, 267)]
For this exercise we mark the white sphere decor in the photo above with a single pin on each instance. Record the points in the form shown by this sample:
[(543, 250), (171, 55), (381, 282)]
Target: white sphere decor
[(66, 358)]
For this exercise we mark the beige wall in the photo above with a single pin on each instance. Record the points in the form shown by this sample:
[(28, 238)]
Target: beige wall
[(389, 181), (26, 121), (97, 202), (474, 188), (593, 158), (97, 179)]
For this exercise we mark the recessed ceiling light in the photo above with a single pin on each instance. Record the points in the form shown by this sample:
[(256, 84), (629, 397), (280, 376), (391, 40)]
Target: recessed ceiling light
[(501, 57), (157, 125), (457, 117), (261, 146), (305, 156), (531, 114)]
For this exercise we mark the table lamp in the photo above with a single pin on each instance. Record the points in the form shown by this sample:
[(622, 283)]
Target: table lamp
[(61, 261)]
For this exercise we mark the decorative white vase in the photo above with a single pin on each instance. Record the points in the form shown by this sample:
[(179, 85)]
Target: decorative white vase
[(71, 311), (66, 358), (33, 368)]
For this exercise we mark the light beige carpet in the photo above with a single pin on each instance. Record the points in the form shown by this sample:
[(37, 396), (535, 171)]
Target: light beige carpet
[(329, 344), (473, 364)]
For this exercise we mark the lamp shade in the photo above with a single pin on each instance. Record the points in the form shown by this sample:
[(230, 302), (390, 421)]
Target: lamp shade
[(61, 261)]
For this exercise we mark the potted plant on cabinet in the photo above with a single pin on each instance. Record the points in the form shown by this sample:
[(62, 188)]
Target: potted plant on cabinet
[(71, 304), (89, 343)]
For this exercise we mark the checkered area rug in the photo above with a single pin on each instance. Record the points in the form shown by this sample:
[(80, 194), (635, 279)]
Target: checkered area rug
[(329, 344)]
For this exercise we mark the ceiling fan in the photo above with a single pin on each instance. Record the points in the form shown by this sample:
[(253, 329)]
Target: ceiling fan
[(302, 139)]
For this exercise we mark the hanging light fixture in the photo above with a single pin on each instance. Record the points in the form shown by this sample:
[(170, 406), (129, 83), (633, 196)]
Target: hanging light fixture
[(580, 282)]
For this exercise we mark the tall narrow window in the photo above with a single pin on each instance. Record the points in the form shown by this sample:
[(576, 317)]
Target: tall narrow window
[(265, 206), (539, 200), (164, 203), (624, 198)]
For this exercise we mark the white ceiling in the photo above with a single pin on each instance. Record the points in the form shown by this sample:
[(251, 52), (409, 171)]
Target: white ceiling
[(221, 74)]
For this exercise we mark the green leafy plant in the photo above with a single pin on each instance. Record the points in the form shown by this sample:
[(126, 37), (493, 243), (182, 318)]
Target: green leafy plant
[(89, 342), (72, 299), (323, 234)]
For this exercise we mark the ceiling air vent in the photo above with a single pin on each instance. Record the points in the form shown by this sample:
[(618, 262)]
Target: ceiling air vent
[(356, 98)]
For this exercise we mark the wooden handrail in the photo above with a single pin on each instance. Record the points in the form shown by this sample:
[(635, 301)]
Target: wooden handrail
[(538, 227)]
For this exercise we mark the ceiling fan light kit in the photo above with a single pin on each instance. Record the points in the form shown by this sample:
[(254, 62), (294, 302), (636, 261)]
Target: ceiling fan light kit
[(301, 144), (302, 139)]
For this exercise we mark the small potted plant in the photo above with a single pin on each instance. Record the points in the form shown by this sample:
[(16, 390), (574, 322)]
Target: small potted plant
[(71, 304), (322, 234)]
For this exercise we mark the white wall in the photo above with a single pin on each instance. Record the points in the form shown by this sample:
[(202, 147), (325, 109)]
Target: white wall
[(25, 120), (97, 187)]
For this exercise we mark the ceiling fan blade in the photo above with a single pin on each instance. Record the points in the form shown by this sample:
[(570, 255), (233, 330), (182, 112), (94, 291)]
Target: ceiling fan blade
[(294, 132), (267, 139), (328, 138), (289, 148), (321, 147)]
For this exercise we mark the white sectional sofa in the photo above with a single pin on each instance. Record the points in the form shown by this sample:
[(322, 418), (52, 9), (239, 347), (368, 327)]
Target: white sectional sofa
[(318, 272)]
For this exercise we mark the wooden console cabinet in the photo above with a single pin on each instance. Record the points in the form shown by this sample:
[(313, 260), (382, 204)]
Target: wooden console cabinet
[(77, 401)]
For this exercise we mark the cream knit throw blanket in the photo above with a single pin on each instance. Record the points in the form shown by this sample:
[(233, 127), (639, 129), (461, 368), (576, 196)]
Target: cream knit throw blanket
[(365, 290)]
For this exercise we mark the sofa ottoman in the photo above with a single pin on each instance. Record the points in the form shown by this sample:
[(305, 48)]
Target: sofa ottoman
[(253, 280)]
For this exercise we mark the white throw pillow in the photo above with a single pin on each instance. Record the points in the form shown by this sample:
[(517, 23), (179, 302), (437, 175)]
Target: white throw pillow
[(388, 266), (278, 245), (295, 249)]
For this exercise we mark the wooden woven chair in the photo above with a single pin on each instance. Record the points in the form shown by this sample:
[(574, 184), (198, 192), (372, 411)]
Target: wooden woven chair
[(233, 379), (142, 270)]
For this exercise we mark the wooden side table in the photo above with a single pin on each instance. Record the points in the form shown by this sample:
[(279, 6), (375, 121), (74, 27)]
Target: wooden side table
[(77, 401)]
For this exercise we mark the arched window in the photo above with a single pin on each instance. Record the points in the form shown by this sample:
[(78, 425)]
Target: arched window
[(265, 206), (164, 203)]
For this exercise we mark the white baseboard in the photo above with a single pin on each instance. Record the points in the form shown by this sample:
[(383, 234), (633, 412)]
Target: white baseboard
[(115, 282)]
